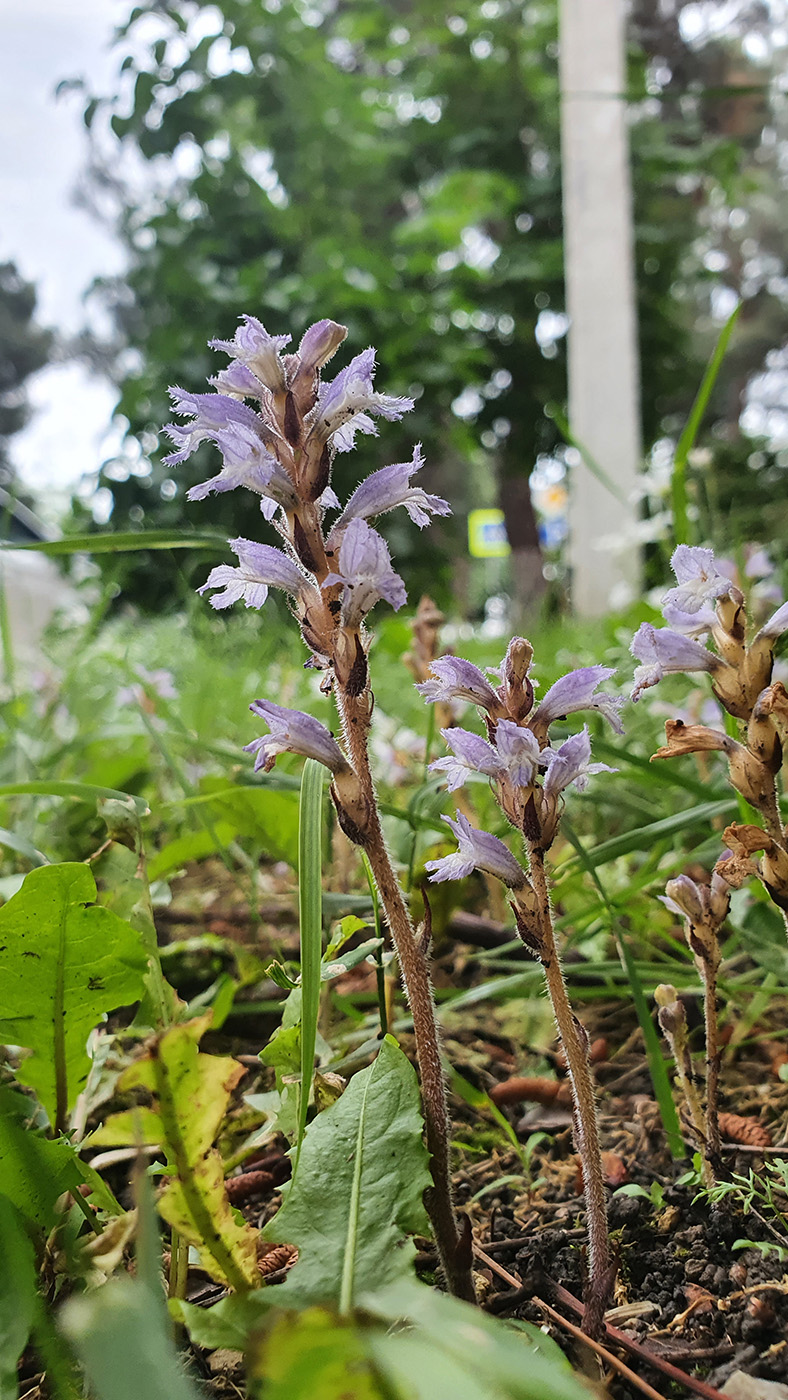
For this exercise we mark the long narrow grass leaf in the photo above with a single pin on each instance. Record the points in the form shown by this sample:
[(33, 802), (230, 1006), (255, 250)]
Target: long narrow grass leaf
[(643, 837), (124, 541), (86, 792), (310, 874), (656, 1062), (686, 441)]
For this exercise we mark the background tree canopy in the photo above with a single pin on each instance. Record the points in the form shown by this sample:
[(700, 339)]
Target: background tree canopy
[(24, 348), (397, 169)]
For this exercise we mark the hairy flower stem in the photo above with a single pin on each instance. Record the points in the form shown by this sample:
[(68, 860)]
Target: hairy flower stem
[(713, 1147), (601, 1271), (454, 1250), (692, 1098)]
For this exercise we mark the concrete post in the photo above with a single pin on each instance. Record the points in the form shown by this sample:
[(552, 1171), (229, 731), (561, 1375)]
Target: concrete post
[(604, 407)]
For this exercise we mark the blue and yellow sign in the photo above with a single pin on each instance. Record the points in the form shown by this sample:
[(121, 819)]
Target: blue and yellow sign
[(487, 534)]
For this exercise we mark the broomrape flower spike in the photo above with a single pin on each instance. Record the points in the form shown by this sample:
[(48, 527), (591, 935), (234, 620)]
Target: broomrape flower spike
[(707, 602), (704, 909), (514, 756), (278, 427)]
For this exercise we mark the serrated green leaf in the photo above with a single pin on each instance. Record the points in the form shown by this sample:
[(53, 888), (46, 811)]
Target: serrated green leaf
[(191, 1092), (504, 1363), (34, 1170), (65, 962), (229, 1322), (358, 1192)]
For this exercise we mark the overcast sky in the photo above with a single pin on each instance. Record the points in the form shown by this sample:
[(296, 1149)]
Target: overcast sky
[(55, 244)]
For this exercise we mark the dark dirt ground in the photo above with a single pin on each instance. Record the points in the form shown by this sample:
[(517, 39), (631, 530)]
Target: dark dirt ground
[(682, 1291)]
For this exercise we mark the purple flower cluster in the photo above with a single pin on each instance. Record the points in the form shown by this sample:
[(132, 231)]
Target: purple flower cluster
[(705, 604), (516, 752), (278, 426)]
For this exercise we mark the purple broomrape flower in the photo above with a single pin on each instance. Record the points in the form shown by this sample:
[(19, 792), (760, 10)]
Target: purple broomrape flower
[(291, 731), (260, 352), (690, 624), (242, 437), (478, 850), (576, 691), (260, 567), (366, 573), (700, 904), (247, 463), (346, 405), (214, 415), (390, 487), (698, 581), (663, 652), (777, 623), (237, 381), (515, 754), (470, 754), (519, 753), (571, 765), (318, 344), (457, 679)]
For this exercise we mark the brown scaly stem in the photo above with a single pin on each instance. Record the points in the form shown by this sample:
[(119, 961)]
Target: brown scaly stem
[(453, 1248), (600, 1266)]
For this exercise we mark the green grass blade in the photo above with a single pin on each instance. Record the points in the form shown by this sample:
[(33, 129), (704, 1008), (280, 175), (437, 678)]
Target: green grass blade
[(86, 792), (123, 541), (690, 432), (22, 847), (656, 1062), (310, 915), (659, 774), (643, 838)]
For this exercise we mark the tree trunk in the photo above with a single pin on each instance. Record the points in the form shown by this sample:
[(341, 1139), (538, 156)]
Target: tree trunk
[(528, 582)]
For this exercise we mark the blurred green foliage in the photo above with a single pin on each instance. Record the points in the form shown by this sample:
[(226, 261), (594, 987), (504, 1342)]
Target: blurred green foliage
[(396, 168)]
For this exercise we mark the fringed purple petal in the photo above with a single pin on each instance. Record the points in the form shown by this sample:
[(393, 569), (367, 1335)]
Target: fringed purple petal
[(576, 691), (390, 487), (663, 652), (259, 351), (346, 404), (364, 568), (478, 850), (571, 765), (457, 679), (260, 566)]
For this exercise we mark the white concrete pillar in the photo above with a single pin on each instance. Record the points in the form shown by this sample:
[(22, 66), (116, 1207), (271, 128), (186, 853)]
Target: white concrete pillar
[(603, 369)]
